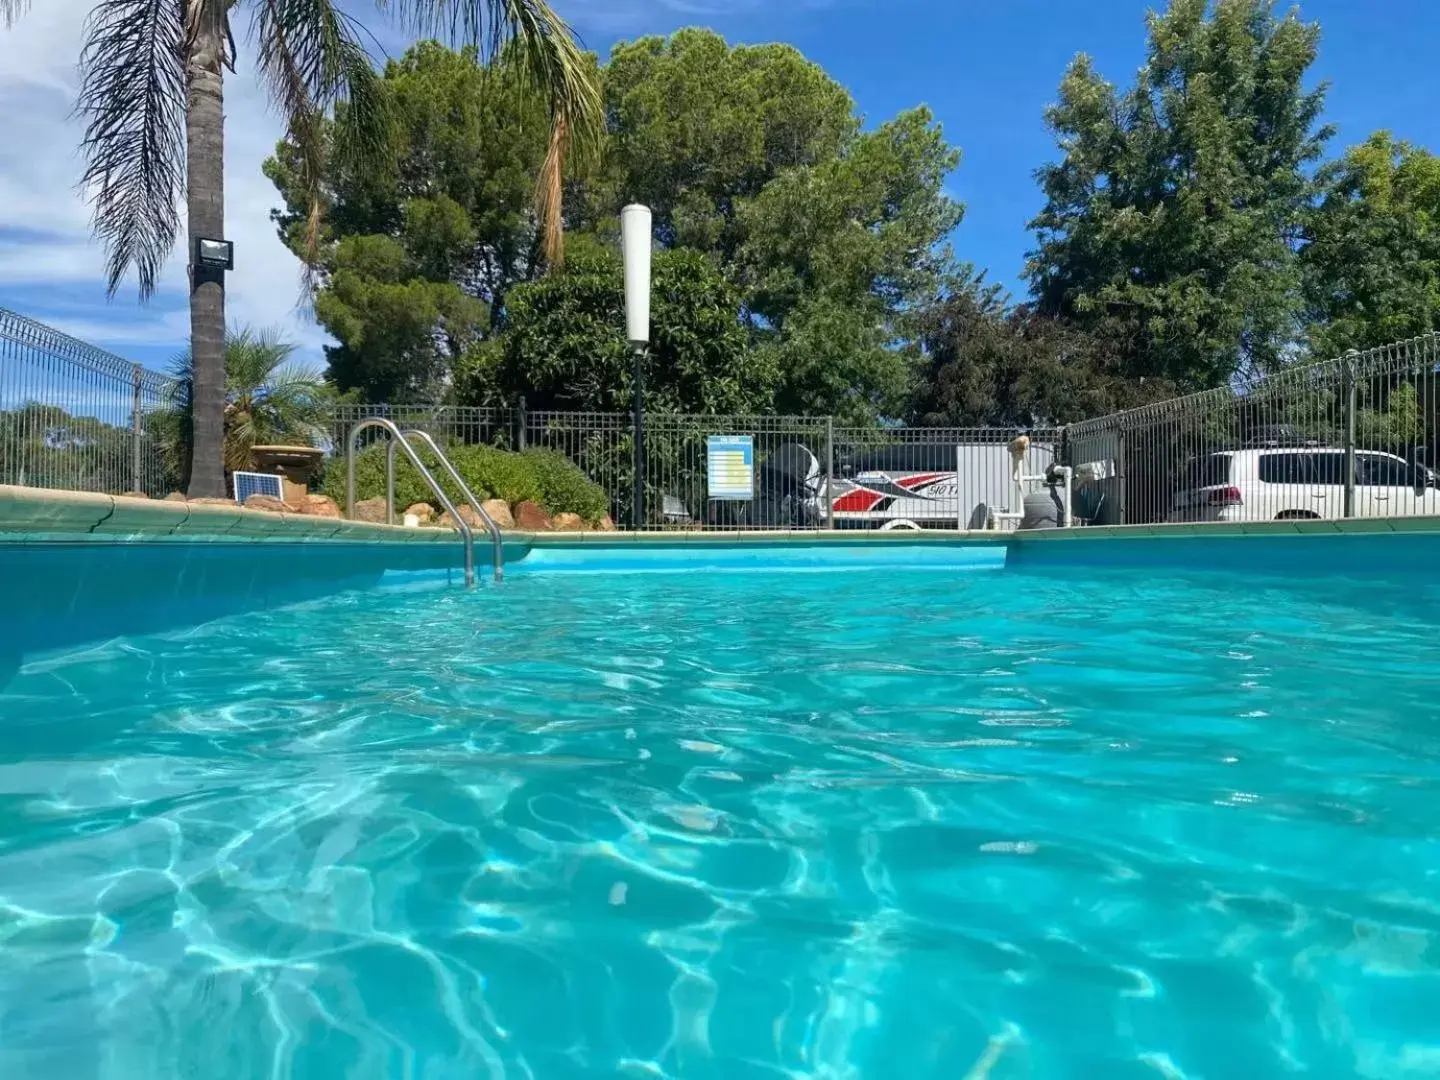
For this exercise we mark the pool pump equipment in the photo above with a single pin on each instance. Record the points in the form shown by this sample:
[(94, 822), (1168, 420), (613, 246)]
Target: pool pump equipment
[(1047, 508)]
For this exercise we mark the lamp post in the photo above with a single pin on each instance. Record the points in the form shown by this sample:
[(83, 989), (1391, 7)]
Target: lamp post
[(635, 241)]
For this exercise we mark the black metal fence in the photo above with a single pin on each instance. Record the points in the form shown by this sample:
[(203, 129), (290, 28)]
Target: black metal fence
[(77, 417), (803, 471), (1354, 436)]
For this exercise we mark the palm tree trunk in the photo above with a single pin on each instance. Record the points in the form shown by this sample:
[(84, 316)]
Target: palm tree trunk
[(205, 172)]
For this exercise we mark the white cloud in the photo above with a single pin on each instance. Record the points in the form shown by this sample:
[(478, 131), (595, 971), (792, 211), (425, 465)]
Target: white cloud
[(44, 222)]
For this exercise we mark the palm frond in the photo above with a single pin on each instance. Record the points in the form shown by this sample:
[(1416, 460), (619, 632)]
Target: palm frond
[(132, 98), (312, 58), (11, 10), (268, 400), (251, 358), (551, 56)]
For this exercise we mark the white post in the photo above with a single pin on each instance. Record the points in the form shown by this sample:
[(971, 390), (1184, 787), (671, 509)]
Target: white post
[(960, 520), (635, 240)]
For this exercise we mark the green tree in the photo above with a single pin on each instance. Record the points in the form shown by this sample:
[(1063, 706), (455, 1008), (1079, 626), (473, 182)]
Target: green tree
[(751, 156), (1171, 223), (400, 332), (268, 401), (696, 127), (565, 348), (152, 97), (1372, 263), (987, 364), (416, 255), (834, 236), (838, 258)]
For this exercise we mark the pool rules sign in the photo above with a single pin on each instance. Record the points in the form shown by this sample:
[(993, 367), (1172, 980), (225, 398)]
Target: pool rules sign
[(730, 466)]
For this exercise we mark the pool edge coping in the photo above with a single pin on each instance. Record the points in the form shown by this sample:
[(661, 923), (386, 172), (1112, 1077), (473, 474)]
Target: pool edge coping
[(30, 515)]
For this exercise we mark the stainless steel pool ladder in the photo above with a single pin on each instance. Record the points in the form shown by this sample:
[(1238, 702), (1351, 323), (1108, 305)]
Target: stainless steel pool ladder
[(400, 440)]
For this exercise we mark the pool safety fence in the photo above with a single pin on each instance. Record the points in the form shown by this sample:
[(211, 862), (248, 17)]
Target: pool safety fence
[(1353, 436), (759, 472), (77, 417)]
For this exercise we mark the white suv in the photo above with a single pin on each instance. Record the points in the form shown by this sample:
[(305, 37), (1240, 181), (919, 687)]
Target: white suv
[(1266, 485)]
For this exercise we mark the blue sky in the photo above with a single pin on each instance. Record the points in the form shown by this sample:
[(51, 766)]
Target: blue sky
[(987, 69)]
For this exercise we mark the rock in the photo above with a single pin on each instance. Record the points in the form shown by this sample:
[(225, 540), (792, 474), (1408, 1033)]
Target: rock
[(499, 511), (607, 524), (175, 496), (213, 502), (268, 503), (320, 506), (134, 495), (532, 517), (567, 522), (467, 515), (423, 511), (371, 510)]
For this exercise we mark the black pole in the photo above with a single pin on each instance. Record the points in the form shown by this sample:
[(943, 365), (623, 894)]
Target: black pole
[(639, 504)]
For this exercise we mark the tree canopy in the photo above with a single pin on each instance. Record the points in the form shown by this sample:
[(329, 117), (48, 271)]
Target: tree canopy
[(1190, 234), (1372, 261), (566, 348), (827, 237), (1171, 222)]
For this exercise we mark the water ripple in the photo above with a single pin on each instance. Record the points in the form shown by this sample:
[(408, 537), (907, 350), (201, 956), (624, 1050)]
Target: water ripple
[(986, 826)]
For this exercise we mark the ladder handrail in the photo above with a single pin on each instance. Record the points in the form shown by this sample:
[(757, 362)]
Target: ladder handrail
[(467, 537), (493, 529)]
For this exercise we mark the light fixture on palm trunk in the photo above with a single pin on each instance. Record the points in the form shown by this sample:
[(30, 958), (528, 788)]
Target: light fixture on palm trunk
[(214, 254)]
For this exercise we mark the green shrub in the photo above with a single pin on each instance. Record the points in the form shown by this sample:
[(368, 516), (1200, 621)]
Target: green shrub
[(490, 473), (370, 479), (497, 474), (565, 488)]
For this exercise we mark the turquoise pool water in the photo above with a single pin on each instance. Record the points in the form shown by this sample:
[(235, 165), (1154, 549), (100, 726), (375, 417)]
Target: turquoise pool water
[(908, 824)]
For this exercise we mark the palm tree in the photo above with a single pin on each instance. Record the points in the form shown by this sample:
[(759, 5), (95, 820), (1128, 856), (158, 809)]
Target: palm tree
[(152, 98), (265, 403)]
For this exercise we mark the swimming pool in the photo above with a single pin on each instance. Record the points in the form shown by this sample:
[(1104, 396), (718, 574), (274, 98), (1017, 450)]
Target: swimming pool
[(1044, 822)]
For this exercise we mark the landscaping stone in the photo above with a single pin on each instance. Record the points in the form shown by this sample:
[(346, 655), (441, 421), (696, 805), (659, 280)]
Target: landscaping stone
[(607, 524), (371, 510), (265, 502), (423, 511), (567, 522), (134, 495), (532, 517), (467, 515), (320, 506), (213, 502), (499, 511), (175, 496)]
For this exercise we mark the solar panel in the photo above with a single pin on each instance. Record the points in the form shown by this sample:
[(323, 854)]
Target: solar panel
[(257, 483)]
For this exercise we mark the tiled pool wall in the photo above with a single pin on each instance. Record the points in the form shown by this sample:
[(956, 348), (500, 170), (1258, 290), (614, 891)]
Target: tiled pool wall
[(81, 568)]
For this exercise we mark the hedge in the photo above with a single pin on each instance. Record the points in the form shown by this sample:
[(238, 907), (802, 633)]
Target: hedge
[(565, 488), (543, 476)]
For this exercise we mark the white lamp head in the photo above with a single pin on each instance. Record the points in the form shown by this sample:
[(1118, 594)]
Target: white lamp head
[(635, 240)]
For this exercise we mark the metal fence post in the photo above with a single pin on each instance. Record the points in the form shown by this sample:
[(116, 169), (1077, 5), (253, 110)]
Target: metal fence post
[(639, 389), (522, 424), (830, 472), (1347, 376), (1122, 473), (136, 375)]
